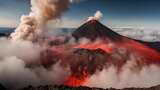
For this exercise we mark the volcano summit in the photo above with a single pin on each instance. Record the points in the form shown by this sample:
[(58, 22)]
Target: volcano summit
[(93, 29)]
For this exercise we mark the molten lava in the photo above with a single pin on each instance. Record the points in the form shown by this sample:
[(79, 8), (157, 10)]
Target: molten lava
[(96, 45), (149, 54), (77, 80)]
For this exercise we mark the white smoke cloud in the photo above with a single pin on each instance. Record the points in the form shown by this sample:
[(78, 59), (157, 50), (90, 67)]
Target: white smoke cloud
[(25, 50), (15, 75), (97, 16), (20, 66), (109, 78), (151, 35)]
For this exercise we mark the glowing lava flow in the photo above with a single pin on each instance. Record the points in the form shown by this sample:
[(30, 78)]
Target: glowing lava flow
[(80, 73), (96, 45), (149, 54), (76, 81)]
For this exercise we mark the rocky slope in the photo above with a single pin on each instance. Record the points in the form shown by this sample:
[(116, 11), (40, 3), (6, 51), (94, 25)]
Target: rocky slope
[(93, 30)]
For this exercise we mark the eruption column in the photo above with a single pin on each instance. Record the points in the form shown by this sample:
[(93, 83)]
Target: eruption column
[(32, 25)]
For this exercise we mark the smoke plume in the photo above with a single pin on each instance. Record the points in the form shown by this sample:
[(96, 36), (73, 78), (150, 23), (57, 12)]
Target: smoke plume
[(33, 25), (97, 16)]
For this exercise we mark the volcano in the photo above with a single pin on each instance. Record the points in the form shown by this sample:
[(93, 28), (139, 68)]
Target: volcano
[(105, 49), (93, 29)]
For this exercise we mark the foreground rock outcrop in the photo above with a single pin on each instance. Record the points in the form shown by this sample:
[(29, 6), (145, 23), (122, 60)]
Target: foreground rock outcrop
[(50, 87)]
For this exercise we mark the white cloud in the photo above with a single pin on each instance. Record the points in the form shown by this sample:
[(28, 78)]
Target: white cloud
[(141, 33)]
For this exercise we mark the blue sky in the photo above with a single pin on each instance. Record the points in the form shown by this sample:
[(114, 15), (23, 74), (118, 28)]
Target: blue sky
[(117, 13)]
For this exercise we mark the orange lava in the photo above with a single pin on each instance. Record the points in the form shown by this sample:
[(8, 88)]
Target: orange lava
[(148, 53), (75, 81), (96, 45)]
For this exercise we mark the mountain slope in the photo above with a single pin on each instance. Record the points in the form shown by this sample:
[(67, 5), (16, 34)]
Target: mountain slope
[(94, 29)]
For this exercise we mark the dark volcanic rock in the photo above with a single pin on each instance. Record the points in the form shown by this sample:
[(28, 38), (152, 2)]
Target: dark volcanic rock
[(93, 30), (83, 58), (50, 87)]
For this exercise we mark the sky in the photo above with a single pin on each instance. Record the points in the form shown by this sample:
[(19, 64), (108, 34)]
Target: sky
[(116, 13)]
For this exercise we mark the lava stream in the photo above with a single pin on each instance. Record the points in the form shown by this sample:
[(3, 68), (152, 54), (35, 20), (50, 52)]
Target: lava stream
[(96, 45)]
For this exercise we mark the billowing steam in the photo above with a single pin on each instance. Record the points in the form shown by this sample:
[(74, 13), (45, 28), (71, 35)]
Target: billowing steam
[(32, 26), (20, 66), (109, 78), (97, 16)]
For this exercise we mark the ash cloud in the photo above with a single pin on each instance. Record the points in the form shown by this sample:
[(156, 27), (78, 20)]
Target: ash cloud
[(33, 25)]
